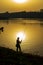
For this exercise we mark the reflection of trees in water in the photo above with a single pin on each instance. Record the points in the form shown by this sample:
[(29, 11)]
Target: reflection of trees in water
[(5, 21), (32, 24), (41, 24), (22, 22)]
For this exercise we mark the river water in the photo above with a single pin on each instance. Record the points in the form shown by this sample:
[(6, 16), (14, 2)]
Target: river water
[(33, 31)]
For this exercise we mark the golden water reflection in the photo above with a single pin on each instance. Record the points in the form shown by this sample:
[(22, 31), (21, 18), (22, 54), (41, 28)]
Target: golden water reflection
[(33, 30)]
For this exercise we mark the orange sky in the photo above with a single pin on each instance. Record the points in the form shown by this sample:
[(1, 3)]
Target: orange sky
[(11, 6)]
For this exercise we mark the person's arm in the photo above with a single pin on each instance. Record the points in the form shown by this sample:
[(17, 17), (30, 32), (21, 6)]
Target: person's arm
[(20, 41)]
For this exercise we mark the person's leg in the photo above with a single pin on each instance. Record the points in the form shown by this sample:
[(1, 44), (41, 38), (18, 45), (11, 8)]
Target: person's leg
[(19, 48)]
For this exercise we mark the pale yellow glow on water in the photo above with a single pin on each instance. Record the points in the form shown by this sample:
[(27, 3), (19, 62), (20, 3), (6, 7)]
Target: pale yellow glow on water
[(21, 35)]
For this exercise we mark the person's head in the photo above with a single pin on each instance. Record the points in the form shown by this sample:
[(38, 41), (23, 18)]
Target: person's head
[(18, 38)]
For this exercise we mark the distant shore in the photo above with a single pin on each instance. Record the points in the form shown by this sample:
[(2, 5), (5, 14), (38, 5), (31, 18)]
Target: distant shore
[(23, 15)]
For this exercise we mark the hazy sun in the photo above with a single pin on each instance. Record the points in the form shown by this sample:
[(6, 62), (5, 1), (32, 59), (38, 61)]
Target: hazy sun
[(20, 1), (21, 35)]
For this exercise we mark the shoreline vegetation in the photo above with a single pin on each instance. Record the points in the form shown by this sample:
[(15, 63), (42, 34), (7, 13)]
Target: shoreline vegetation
[(23, 14), (11, 57)]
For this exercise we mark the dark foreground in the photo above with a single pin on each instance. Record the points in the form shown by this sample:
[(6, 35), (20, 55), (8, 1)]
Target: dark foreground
[(10, 57)]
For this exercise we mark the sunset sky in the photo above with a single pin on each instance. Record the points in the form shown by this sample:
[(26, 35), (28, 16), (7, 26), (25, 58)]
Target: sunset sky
[(29, 31), (12, 6)]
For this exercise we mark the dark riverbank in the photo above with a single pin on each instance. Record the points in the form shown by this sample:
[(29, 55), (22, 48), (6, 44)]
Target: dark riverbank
[(11, 57), (23, 14)]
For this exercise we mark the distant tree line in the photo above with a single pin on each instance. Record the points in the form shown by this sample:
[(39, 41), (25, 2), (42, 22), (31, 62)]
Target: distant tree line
[(22, 14)]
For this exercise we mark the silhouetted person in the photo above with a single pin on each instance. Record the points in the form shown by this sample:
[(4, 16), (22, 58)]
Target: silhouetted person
[(2, 29), (18, 42)]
